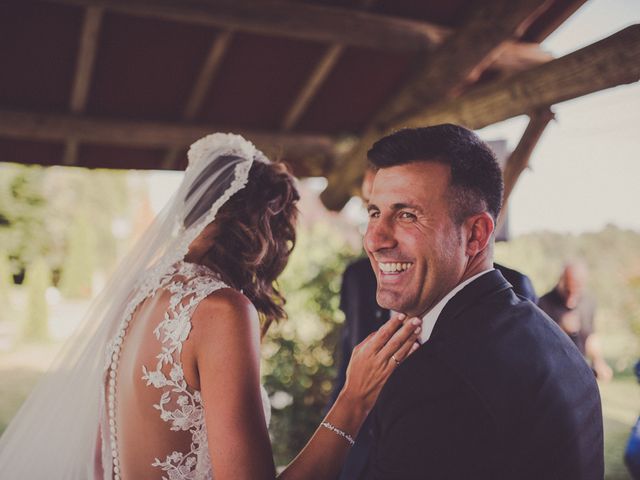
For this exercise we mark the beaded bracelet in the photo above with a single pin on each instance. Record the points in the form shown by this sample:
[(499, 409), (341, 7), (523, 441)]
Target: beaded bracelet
[(337, 431)]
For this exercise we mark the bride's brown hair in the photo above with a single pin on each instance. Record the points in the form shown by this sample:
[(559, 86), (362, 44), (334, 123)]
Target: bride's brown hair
[(255, 235)]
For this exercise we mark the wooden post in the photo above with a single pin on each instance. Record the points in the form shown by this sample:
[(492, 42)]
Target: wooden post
[(84, 72), (518, 161)]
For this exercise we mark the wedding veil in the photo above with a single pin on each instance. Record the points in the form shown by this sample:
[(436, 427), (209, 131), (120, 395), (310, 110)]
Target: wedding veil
[(53, 436)]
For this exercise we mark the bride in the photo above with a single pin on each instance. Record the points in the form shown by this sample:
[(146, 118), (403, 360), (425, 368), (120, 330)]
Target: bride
[(162, 380)]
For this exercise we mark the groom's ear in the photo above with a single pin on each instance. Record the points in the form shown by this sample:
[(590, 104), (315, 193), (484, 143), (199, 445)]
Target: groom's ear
[(477, 233)]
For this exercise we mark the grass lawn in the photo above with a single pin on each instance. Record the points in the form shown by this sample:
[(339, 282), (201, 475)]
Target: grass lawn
[(19, 371), (621, 407)]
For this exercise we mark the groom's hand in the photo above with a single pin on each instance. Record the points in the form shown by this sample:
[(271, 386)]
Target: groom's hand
[(375, 358)]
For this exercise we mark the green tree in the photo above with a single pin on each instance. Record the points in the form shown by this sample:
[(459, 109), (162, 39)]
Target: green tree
[(37, 280), (78, 264), (23, 212), (6, 283), (614, 266), (102, 195), (632, 305), (36, 204), (300, 352)]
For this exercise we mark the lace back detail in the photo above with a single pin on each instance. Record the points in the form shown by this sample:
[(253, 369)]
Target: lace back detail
[(178, 405)]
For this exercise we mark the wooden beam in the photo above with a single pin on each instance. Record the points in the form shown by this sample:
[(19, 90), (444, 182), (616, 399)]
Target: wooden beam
[(59, 128), (515, 57), (86, 58), (84, 71), (330, 25), (207, 73), (321, 71), (518, 161), (608, 63), (70, 155), (460, 59), (311, 87), (558, 13), (290, 19), (465, 55)]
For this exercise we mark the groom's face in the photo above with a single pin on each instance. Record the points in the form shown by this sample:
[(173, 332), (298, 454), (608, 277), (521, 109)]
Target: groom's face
[(415, 248)]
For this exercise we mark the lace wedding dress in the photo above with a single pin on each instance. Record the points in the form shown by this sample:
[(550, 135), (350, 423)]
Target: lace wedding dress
[(116, 399), (166, 312)]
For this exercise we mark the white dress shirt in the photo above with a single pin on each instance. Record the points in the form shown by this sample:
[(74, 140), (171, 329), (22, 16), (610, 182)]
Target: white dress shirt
[(430, 318)]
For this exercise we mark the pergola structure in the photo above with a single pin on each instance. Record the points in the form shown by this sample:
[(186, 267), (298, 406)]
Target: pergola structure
[(131, 83)]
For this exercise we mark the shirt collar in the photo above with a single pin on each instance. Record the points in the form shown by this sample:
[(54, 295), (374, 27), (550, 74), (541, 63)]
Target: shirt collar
[(429, 319)]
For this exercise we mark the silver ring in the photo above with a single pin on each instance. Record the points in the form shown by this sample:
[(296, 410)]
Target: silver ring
[(395, 359)]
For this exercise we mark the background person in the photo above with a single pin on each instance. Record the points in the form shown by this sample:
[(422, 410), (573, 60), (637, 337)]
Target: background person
[(572, 307)]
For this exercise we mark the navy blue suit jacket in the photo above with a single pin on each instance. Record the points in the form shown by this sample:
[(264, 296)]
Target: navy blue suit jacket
[(498, 392), (363, 315)]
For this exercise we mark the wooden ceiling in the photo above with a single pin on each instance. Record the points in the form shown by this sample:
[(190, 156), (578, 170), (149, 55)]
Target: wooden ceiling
[(131, 83)]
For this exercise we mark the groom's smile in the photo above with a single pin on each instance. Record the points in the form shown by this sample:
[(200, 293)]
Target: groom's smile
[(394, 272), (414, 246), (394, 268)]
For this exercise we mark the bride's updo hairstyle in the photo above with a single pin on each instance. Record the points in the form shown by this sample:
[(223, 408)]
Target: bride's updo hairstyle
[(254, 236)]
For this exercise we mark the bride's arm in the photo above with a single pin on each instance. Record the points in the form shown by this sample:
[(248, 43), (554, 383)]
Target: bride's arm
[(370, 365), (226, 335), (226, 343)]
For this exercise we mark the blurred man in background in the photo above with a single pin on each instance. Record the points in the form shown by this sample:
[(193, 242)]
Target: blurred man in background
[(573, 308)]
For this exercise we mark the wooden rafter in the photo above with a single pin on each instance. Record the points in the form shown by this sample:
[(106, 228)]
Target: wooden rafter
[(311, 87), (518, 161), (59, 128), (610, 62), (84, 71), (607, 63), (463, 56), (515, 56), (319, 74), (330, 25), (291, 19), (207, 74), (560, 12), (205, 78)]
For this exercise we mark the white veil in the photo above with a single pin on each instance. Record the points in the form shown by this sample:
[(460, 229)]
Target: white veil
[(53, 436)]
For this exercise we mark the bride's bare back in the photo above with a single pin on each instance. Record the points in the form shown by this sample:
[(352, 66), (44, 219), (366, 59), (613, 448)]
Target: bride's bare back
[(155, 417)]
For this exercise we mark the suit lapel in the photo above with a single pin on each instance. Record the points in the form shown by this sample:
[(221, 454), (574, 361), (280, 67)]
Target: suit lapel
[(488, 284)]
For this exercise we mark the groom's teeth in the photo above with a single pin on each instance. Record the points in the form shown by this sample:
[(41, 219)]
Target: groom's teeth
[(394, 267)]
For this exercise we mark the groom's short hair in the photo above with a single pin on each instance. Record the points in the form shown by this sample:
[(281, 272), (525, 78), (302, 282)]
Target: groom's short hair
[(476, 179)]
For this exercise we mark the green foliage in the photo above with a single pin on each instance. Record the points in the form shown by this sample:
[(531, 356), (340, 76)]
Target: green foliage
[(77, 269), (36, 205), (95, 197), (632, 305), (614, 269), (299, 353), (6, 282), (23, 233), (37, 280)]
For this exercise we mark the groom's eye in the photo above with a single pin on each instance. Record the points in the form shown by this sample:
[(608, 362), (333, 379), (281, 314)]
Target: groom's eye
[(407, 216)]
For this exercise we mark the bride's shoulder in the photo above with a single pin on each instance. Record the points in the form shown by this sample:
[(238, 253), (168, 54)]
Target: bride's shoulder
[(226, 312)]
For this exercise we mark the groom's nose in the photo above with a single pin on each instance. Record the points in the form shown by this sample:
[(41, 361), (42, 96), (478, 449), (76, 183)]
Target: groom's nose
[(379, 236)]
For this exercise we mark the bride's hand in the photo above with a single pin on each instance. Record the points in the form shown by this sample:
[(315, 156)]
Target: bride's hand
[(374, 359)]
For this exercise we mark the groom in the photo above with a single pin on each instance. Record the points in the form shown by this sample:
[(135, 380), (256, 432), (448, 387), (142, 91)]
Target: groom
[(496, 391)]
